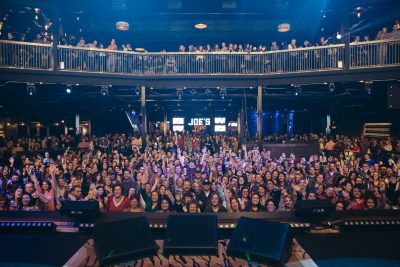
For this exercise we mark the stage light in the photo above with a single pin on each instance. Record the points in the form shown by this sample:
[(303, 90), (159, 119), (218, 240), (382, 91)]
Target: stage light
[(104, 90), (358, 14), (30, 88), (37, 10), (68, 89), (137, 90), (223, 92), (338, 36), (332, 87), (297, 90), (179, 93), (368, 87)]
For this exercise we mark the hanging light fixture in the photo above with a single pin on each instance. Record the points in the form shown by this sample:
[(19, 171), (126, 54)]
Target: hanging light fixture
[(284, 27)]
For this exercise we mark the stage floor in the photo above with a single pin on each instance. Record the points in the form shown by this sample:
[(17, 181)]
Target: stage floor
[(326, 250)]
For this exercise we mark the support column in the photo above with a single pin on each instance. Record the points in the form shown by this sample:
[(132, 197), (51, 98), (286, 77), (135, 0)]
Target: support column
[(165, 124), (144, 115), (345, 28), (259, 116), (77, 123)]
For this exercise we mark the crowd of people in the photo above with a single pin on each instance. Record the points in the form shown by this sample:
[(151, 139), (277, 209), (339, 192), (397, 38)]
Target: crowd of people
[(196, 173)]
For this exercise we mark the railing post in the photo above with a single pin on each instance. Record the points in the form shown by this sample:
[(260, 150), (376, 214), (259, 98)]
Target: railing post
[(346, 37)]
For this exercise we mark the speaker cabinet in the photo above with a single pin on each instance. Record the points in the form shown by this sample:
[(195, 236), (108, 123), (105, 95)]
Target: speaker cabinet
[(123, 240), (191, 234), (261, 241)]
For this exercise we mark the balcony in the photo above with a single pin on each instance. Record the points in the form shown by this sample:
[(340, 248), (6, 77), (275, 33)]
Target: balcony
[(333, 59)]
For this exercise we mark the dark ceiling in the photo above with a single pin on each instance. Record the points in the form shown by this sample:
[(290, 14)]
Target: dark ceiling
[(157, 24)]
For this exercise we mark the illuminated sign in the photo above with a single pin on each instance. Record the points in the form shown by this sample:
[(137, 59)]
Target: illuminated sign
[(220, 128), (199, 122), (179, 121), (177, 128), (219, 120)]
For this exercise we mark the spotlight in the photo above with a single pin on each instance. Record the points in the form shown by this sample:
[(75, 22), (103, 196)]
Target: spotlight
[(30, 88), (223, 92), (179, 93), (137, 90), (338, 36), (358, 14), (68, 89), (332, 87), (297, 90), (368, 87), (104, 90)]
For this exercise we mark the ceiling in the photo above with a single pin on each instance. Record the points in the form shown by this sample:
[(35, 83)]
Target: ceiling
[(157, 24)]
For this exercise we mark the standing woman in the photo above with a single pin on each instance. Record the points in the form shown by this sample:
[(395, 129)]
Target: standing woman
[(118, 202), (45, 189)]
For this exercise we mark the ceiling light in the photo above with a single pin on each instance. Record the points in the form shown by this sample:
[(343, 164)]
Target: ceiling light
[(200, 26), (284, 27), (68, 89), (37, 10), (122, 25), (338, 36)]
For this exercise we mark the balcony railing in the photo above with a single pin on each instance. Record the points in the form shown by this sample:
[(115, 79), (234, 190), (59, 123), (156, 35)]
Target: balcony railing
[(26, 55), (298, 60), (323, 58), (375, 53)]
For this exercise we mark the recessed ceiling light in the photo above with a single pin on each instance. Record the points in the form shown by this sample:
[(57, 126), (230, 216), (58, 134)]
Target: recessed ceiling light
[(284, 27), (122, 25), (200, 26)]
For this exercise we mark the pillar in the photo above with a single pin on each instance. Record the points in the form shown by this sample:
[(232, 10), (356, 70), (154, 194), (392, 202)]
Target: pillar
[(259, 116), (77, 122), (165, 124), (144, 115)]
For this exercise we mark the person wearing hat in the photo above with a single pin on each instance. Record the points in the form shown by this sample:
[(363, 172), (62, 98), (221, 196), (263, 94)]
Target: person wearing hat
[(204, 196)]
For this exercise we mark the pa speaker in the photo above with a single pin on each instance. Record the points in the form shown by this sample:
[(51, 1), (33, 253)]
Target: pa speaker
[(80, 209), (313, 208), (191, 234), (262, 241), (123, 240)]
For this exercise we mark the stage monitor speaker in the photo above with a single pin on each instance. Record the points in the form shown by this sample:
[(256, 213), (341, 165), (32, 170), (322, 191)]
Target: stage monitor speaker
[(313, 208), (123, 240), (80, 209), (191, 234), (261, 241), (393, 96)]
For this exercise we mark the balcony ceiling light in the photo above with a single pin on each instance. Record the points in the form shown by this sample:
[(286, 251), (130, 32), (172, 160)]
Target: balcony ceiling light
[(122, 25), (200, 26), (284, 27)]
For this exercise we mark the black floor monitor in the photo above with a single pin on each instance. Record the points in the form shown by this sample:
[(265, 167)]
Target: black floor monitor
[(124, 240), (191, 235), (262, 241)]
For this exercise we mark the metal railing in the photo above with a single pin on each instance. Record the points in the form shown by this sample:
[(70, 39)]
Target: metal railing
[(108, 61), (375, 53), (26, 55), (70, 58)]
